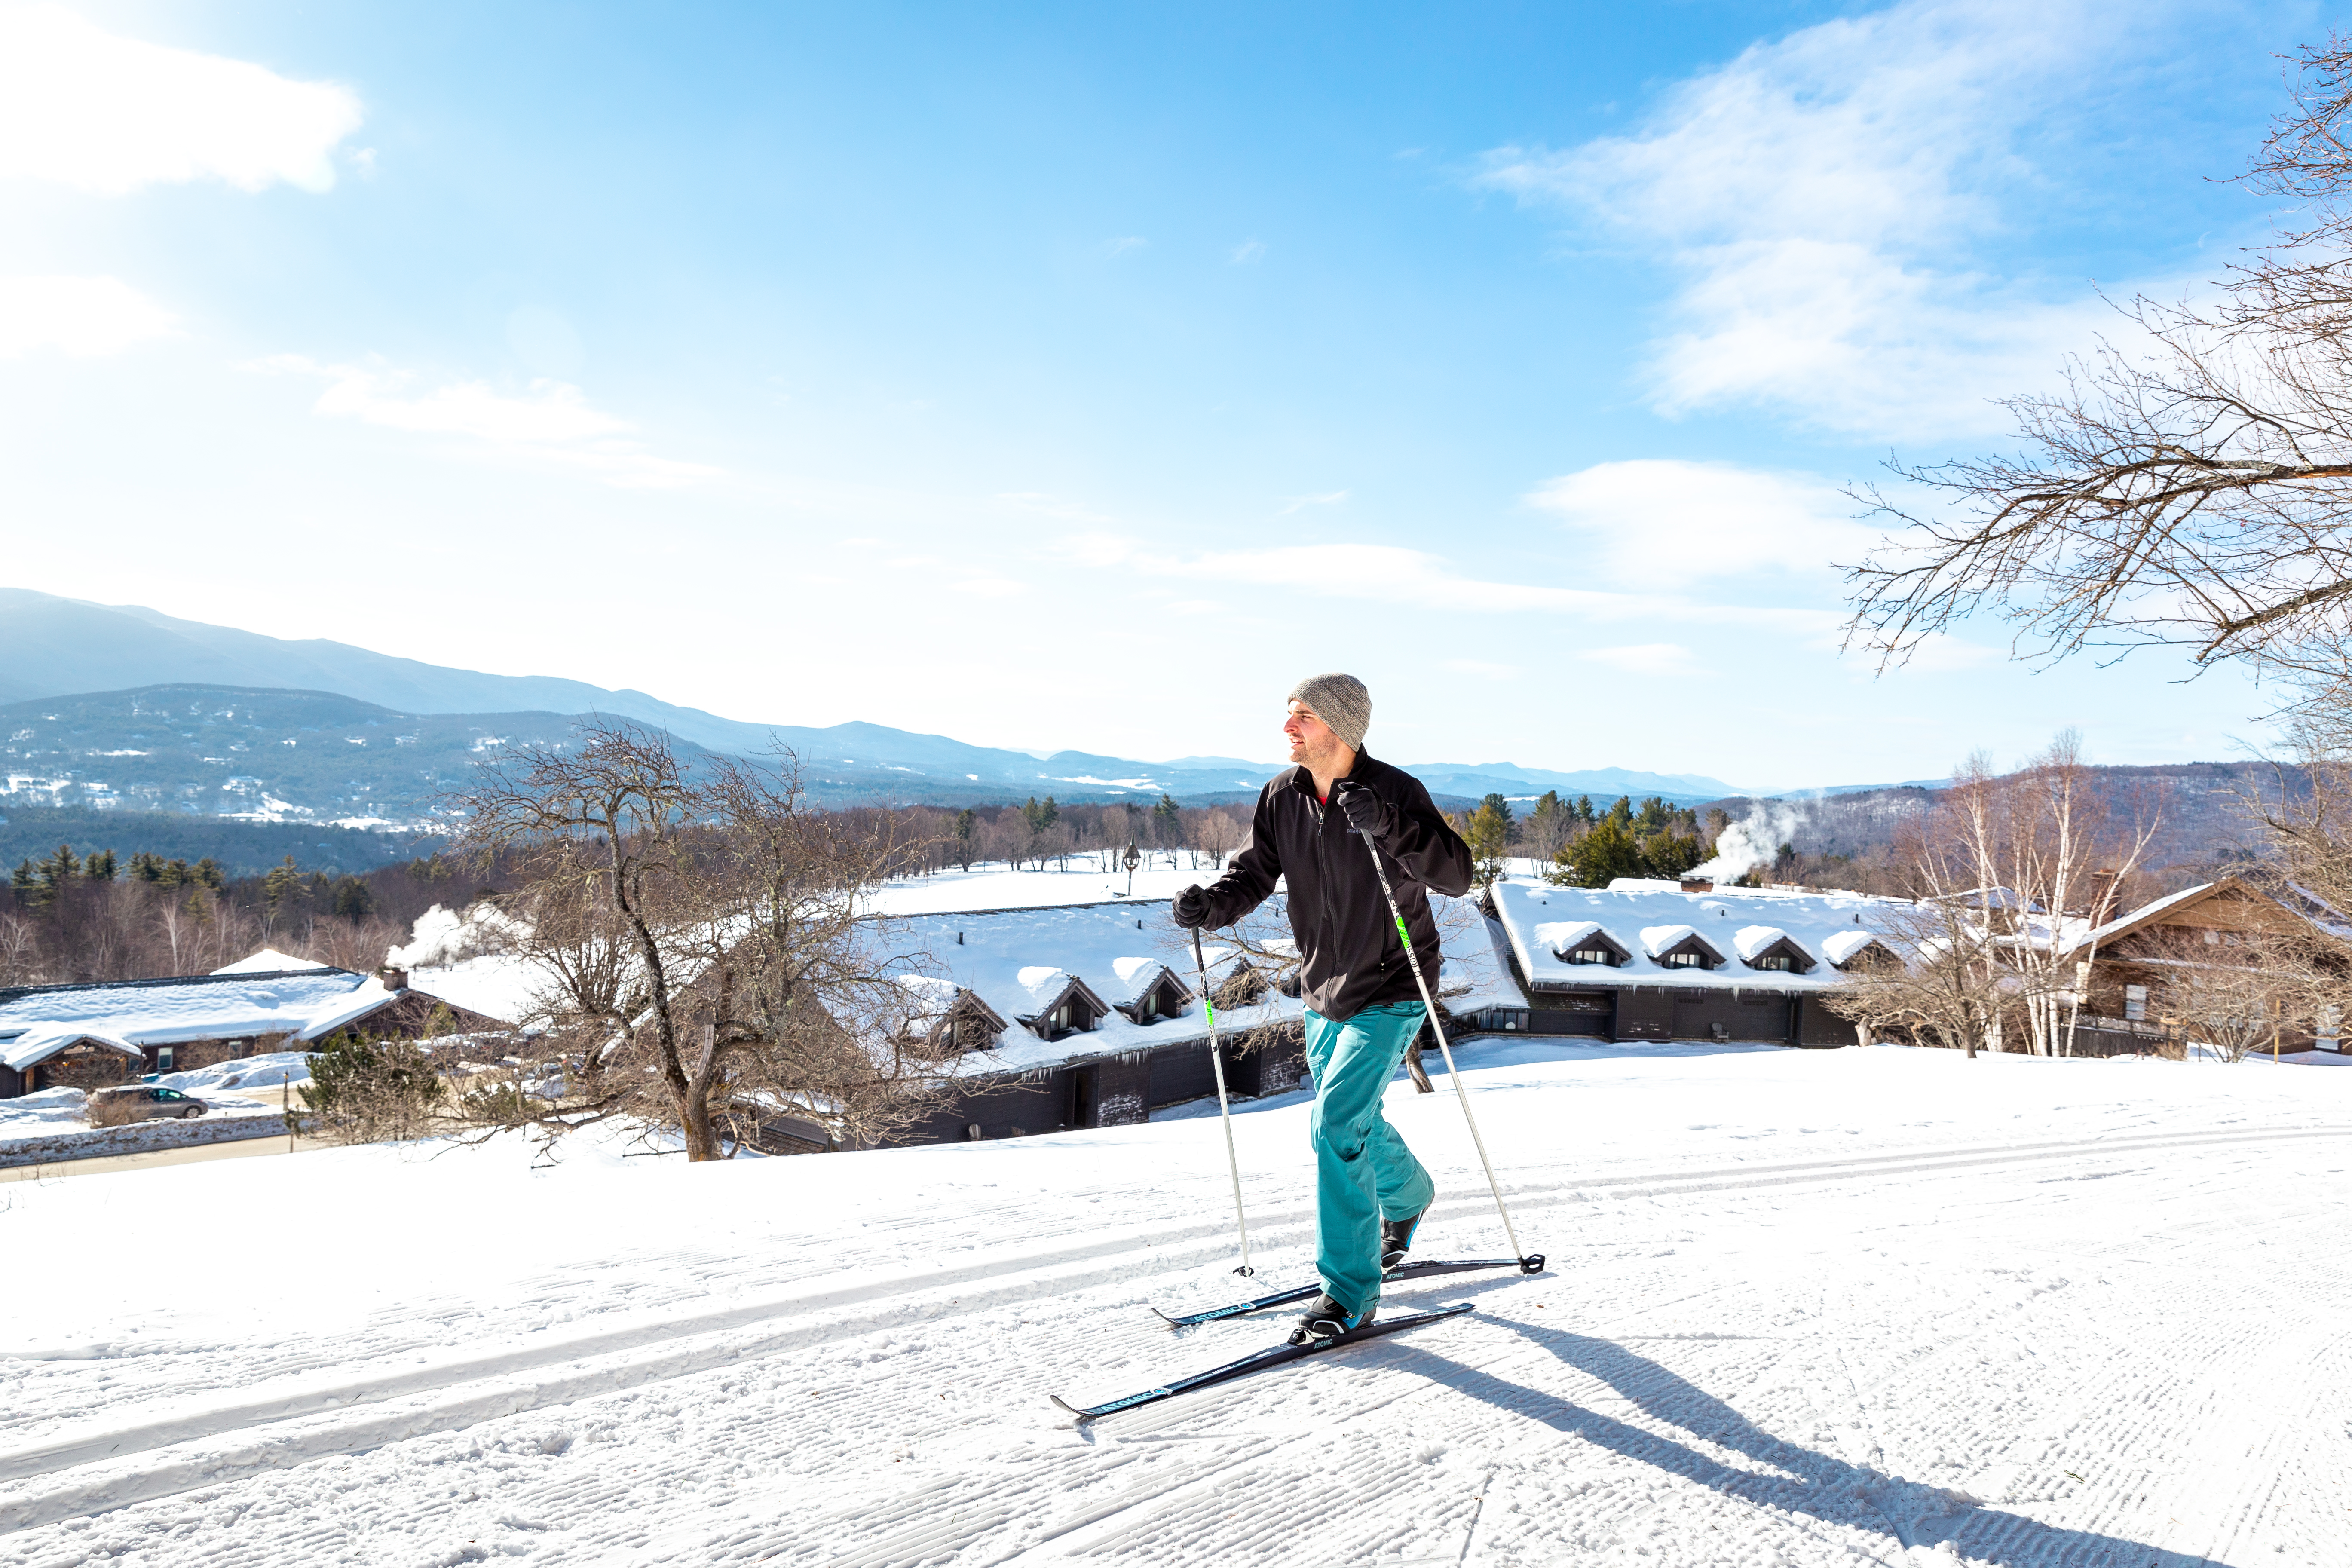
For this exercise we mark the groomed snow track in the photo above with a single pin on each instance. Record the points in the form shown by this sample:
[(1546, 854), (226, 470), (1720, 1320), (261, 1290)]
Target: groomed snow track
[(2031, 1351)]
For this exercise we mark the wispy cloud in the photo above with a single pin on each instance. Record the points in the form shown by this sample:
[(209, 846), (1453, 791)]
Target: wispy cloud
[(1824, 199), (1300, 503), (1726, 521), (1123, 244), (1247, 251), (93, 110), (80, 316), (551, 422)]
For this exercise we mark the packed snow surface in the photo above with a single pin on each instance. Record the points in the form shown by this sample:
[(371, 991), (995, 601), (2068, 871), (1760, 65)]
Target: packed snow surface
[(1804, 1308)]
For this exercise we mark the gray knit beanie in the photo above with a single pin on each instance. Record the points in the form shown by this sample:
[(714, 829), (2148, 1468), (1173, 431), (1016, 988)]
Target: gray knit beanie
[(1340, 701)]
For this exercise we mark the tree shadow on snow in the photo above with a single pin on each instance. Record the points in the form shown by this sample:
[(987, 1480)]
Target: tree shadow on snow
[(1798, 1479)]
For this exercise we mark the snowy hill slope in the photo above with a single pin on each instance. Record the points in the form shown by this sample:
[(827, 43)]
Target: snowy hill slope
[(1805, 1307)]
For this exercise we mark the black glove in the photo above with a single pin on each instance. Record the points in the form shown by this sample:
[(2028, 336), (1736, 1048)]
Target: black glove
[(1193, 907), (1367, 813)]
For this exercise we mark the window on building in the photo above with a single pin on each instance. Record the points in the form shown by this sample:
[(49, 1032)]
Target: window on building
[(2136, 1003), (1684, 959), (1771, 960), (1151, 1008), (1590, 956)]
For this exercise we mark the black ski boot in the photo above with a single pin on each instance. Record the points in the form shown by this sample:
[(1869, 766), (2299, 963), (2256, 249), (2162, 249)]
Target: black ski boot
[(1396, 1239), (1326, 1320)]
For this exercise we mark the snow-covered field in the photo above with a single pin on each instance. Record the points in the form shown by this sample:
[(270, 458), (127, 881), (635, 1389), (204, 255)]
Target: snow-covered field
[(1804, 1307)]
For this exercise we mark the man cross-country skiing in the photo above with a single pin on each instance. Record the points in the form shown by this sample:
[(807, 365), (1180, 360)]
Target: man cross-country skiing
[(1362, 1005)]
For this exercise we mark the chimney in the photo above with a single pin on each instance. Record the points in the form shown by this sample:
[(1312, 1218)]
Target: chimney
[(393, 979), (2102, 897), (1698, 884)]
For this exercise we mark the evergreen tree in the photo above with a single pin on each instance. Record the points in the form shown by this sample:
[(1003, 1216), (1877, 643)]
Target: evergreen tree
[(1609, 851), (1048, 815), (964, 820), (25, 882), (1584, 808), (354, 899), (100, 867), (207, 873), (56, 871), (283, 882), (1167, 821), (1669, 854), (1502, 809), (1487, 832), (1621, 814), (146, 866)]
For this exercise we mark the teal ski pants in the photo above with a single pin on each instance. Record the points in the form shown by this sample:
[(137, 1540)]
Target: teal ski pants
[(1363, 1172)]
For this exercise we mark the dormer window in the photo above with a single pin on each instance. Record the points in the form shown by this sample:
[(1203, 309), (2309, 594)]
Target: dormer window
[(1591, 955), (1686, 959), (1772, 961)]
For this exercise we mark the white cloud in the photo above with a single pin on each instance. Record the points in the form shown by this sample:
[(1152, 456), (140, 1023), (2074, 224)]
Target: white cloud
[(1124, 244), (79, 316), (552, 422), (90, 109), (1247, 251), (1300, 503), (1821, 196), (1725, 519)]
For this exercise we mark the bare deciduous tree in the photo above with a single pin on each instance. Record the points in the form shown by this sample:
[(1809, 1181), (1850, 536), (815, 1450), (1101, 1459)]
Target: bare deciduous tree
[(2004, 869), (2193, 489), (709, 967)]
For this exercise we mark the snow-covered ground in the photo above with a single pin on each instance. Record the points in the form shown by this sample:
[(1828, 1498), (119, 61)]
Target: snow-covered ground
[(1850, 1307)]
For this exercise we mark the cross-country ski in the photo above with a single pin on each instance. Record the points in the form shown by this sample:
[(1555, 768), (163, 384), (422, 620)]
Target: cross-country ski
[(1402, 1274), (1273, 1356)]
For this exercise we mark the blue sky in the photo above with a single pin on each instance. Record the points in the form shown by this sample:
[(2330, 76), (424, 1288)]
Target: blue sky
[(1083, 375)]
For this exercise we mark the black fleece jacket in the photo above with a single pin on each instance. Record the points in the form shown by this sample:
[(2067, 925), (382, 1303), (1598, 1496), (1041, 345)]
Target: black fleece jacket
[(1350, 959)]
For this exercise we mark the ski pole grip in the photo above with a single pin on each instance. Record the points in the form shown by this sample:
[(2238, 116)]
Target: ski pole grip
[(1533, 1263)]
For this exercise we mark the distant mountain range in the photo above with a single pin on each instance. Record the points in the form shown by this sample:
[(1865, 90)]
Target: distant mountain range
[(124, 665)]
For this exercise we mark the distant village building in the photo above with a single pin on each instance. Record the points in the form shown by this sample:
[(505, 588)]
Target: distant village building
[(1644, 959), (88, 1037)]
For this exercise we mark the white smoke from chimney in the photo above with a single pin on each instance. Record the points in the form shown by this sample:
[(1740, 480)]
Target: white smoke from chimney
[(1754, 840)]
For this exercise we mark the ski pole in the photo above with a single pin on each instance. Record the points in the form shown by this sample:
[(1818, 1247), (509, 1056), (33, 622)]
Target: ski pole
[(1430, 1002), (1224, 1112)]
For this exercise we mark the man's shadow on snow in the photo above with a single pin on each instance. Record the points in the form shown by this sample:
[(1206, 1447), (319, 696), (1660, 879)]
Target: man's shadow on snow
[(1828, 1489)]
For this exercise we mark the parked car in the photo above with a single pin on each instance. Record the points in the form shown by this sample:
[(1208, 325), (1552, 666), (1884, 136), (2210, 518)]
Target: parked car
[(145, 1102)]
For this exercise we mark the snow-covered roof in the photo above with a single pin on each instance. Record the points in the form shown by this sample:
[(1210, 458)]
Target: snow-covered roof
[(39, 1042), (1839, 947), (269, 961), (190, 1007), (355, 1005), (1020, 962), (1657, 941), (1750, 942), (1647, 918), (1130, 978), (1562, 936)]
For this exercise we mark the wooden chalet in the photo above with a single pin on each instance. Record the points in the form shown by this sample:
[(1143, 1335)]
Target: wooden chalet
[(2134, 958), (88, 1035)]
